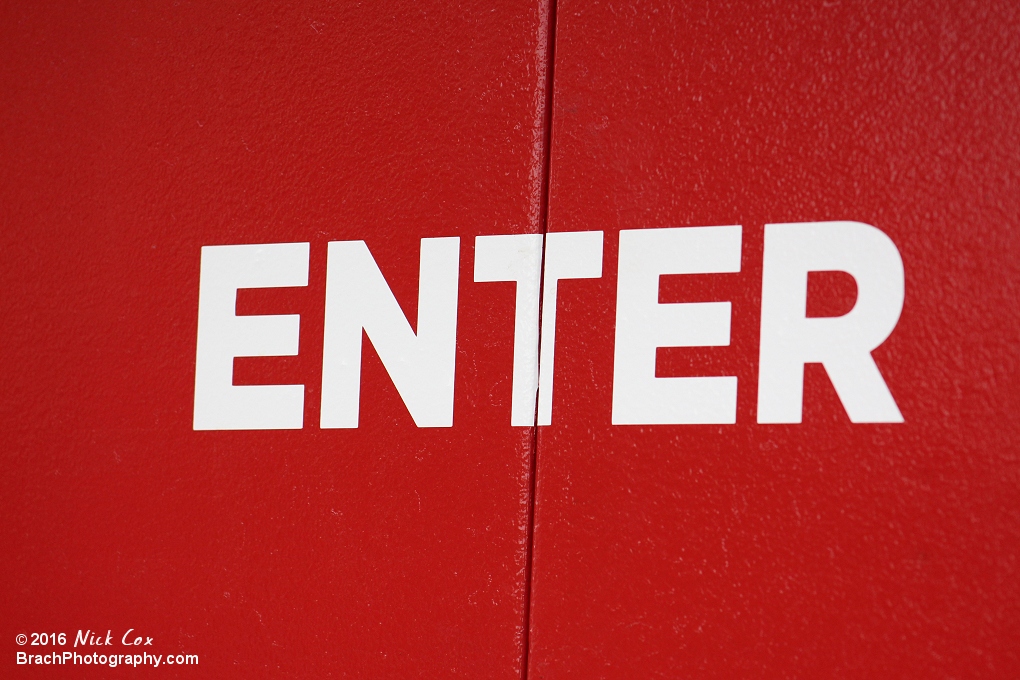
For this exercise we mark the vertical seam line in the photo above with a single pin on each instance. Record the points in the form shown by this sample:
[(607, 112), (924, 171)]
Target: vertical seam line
[(543, 221)]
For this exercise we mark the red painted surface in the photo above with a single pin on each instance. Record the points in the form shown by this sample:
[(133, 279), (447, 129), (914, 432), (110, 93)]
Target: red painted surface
[(824, 549), (132, 135)]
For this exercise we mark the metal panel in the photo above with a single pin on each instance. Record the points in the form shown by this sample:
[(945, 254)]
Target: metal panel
[(826, 548), (133, 135)]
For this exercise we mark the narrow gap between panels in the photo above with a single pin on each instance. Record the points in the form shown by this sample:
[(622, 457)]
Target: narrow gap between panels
[(543, 223)]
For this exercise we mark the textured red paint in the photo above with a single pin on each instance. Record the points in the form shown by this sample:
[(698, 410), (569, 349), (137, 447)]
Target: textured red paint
[(830, 293), (130, 136), (817, 550)]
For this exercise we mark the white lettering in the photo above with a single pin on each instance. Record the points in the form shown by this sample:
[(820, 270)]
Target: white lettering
[(843, 344), (517, 257), (222, 335), (568, 255), (643, 325), (421, 365)]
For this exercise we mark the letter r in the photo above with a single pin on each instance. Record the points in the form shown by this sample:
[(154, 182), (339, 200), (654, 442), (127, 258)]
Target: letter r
[(843, 345)]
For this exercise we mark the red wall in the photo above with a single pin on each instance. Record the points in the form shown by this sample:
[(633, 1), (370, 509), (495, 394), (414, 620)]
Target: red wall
[(133, 135), (822, 549)]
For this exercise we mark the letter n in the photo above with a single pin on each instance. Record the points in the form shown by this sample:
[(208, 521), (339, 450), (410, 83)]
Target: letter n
[(420, 364)]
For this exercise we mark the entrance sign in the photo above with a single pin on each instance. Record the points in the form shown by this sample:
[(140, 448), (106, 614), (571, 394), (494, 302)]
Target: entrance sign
[(421, 363), (511, 340)]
